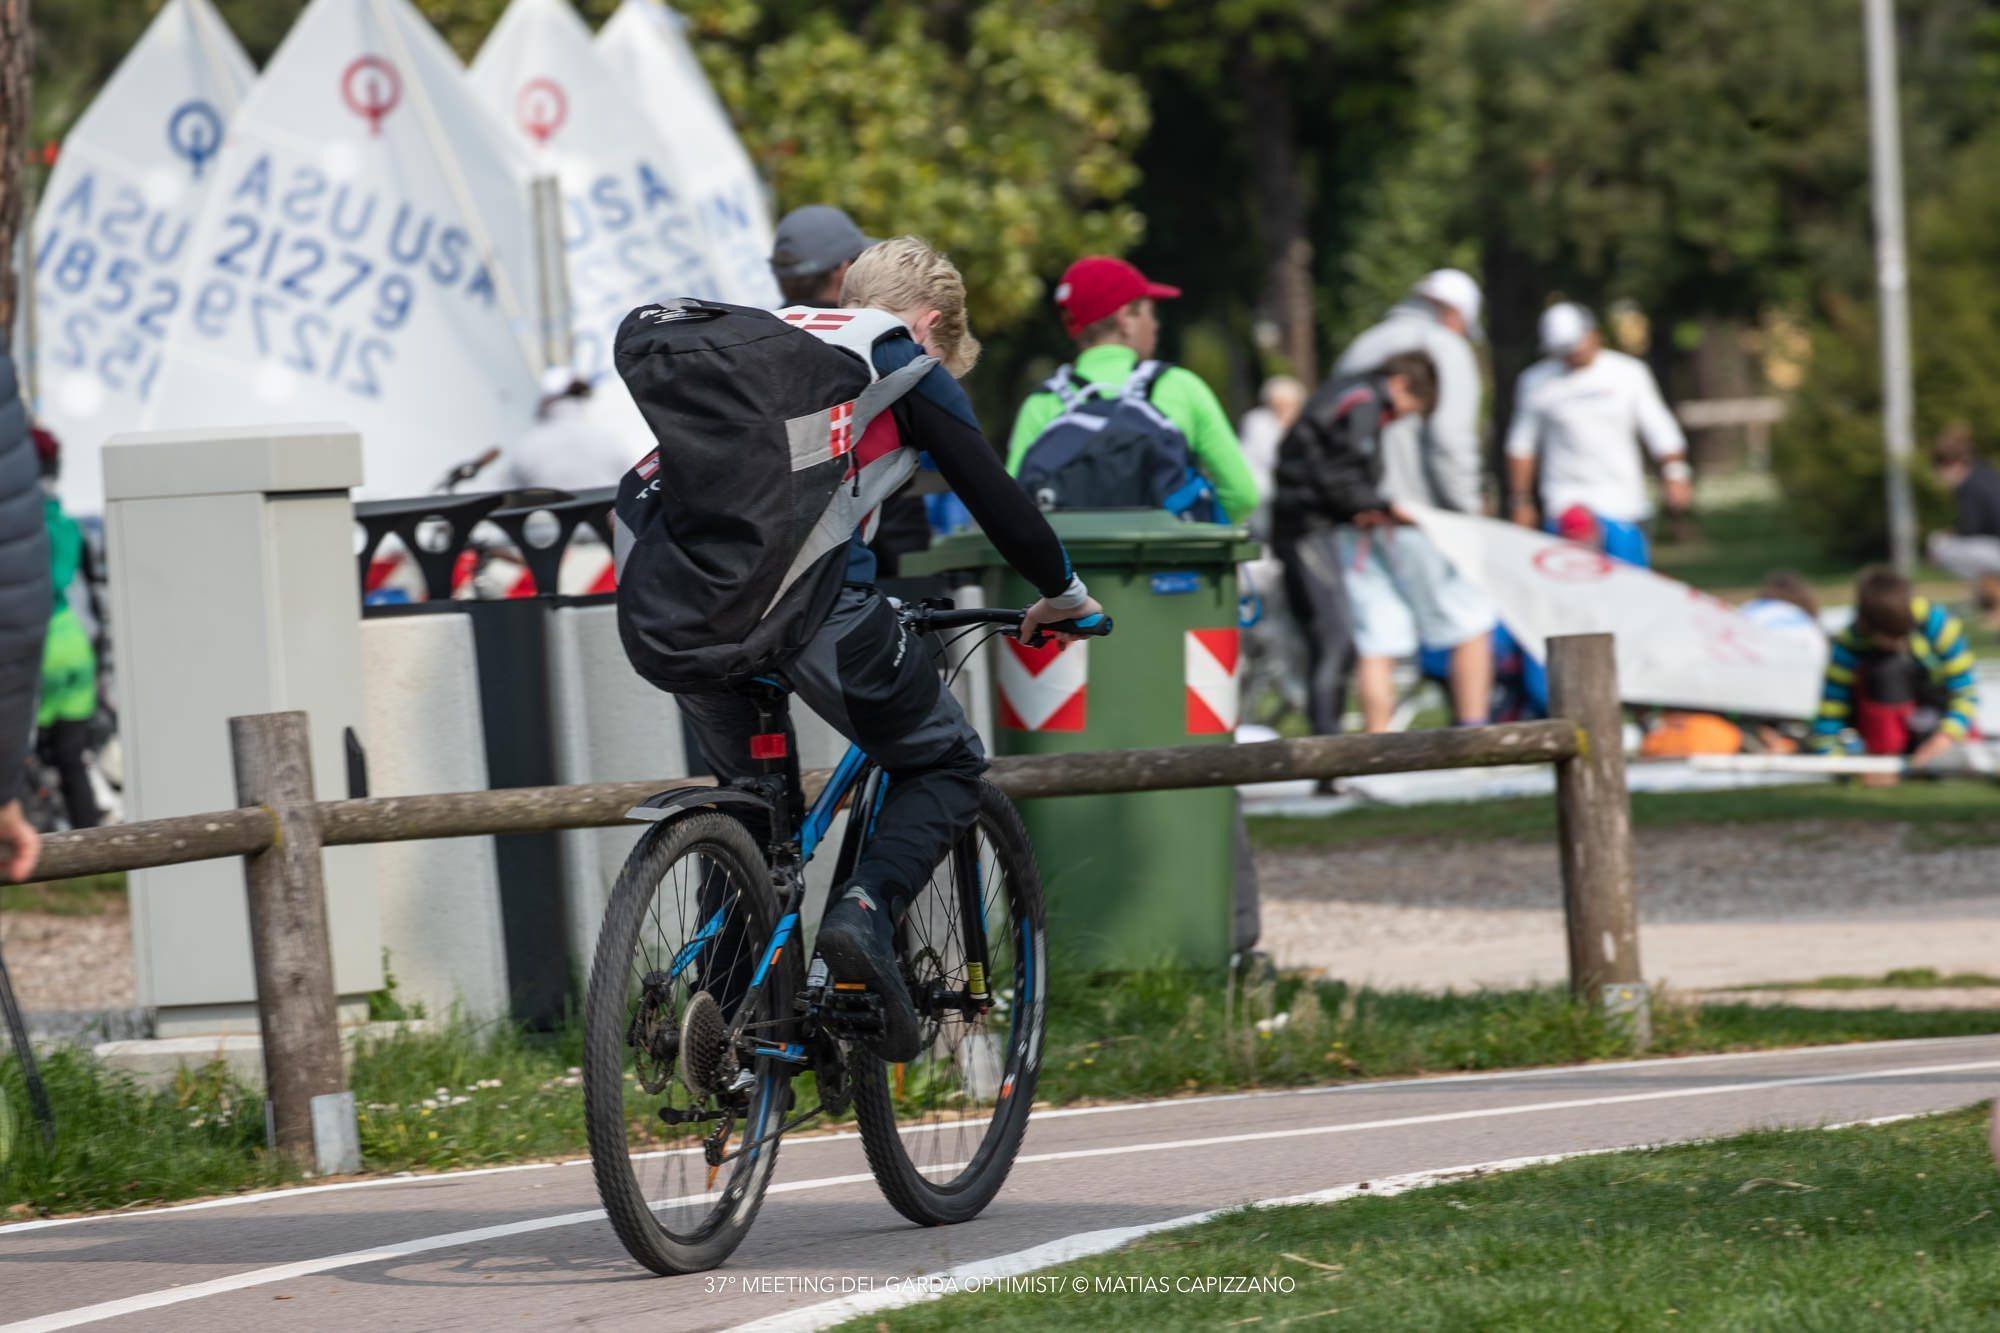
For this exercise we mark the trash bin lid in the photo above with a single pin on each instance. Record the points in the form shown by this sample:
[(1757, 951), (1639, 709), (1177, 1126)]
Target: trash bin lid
[(1100, 537)]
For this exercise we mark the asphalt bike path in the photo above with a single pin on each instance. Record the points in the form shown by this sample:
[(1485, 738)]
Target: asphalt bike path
[(529, 1244)]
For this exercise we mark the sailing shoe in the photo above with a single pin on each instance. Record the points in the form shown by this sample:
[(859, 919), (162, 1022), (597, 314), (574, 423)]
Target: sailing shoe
[(857, 938)]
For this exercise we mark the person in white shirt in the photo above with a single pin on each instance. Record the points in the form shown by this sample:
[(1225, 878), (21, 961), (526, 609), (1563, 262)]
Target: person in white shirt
[(569, 448), (1264, 425), (1581, 412), (1402, 592)]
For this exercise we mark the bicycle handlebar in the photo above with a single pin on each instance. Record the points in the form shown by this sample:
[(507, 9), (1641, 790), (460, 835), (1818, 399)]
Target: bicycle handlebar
[(921, 617)]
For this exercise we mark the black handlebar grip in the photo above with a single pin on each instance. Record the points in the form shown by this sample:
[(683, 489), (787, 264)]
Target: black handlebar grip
[(1093, 626)]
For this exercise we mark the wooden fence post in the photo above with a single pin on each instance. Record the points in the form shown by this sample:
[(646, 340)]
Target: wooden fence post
[(1594, 827), (312, 1113)]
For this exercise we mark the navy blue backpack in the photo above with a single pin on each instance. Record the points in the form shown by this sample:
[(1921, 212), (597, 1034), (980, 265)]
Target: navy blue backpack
[(1112, 449)]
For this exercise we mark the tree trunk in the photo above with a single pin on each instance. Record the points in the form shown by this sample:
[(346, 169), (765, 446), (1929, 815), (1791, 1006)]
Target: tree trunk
[(14, 54), (1286, 301)]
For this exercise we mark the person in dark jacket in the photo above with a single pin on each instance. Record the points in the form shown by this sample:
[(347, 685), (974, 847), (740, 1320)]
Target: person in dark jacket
[(1971, 549), (25, 597), (1329, 467)]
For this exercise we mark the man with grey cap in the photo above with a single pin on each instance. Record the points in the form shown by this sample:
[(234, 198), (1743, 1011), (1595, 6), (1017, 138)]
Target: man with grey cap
[(1580, 414), (810, 255), (1403, 594)]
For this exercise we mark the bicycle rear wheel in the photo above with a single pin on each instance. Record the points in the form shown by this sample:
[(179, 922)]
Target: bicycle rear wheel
[(941, 1132), (680, 1154)]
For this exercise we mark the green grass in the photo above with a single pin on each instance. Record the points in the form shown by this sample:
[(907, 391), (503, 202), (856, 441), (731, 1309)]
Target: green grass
[(91, 895), (1939, 814), (461, 1096), (1901, 978), (1891, 1227), (1736, 545), (1162, 1033)]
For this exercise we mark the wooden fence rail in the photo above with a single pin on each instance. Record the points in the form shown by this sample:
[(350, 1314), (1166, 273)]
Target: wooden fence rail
[(280, 834)]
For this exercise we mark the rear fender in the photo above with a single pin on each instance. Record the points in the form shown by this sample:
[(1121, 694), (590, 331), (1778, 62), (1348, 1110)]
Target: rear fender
[(678, 800)]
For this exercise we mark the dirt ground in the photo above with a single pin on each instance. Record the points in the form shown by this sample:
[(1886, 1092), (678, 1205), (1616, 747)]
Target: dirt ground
[(69, 962), (1717, 907)]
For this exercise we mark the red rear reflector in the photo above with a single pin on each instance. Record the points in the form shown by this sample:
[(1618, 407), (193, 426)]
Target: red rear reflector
[(770, 745)]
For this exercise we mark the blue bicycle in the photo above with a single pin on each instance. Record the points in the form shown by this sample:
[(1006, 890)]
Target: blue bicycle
[(707, 1022)]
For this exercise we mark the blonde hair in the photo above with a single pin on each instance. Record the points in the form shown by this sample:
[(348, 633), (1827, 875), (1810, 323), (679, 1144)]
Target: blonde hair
[(905, 274)]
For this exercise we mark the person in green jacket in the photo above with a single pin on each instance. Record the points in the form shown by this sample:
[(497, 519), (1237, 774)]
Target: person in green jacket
[(1108, 308), (69, 662)]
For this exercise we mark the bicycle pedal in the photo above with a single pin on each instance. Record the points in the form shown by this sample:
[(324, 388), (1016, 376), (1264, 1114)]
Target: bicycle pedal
[(854, 1012)]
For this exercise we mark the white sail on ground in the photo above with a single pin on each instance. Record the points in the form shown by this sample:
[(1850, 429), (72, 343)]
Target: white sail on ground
[(364, 256), (630, 235), (1676, 645), (110, 236), (643, 44)]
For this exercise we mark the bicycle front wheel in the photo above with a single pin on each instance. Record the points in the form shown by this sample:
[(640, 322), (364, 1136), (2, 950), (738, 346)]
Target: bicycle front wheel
[(942, 1131), (682, 1115)]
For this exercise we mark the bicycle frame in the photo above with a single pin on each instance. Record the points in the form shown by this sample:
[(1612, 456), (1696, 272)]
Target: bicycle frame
[(855, 775)]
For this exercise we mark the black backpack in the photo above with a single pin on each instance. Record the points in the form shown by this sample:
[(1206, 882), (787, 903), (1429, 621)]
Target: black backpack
[(731, 535), (1112, 449)]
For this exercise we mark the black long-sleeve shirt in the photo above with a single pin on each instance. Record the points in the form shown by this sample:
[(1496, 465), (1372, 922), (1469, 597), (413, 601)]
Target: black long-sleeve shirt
[(1977, 500), (936, 418)]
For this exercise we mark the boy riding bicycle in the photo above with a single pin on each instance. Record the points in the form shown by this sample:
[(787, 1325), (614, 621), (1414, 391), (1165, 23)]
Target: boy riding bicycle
[(857, 668)]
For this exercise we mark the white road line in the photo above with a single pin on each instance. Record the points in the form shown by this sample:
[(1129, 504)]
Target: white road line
[(1495, 1112), (795, 1142), (1083, 1245), (259, 1277), (285, 1272)]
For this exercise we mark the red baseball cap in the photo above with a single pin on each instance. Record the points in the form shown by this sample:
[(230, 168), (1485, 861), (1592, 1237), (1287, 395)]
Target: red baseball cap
[(1099, 286)]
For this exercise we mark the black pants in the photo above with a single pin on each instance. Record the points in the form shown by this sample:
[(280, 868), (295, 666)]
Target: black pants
[(1316, 594), (63, 746), (878, 687)]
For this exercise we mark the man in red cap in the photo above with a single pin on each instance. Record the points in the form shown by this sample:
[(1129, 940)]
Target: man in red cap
[(1108, 307)]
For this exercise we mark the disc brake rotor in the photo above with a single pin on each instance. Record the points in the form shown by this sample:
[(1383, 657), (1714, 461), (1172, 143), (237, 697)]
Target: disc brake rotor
[(653, 1036), (926, 977)]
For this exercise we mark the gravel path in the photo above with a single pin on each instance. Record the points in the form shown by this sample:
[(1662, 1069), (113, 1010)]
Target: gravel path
[(1717, 907), (69, 962)]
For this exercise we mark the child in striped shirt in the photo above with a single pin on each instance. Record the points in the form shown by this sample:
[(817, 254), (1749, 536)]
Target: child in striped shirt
[(1900, 679)]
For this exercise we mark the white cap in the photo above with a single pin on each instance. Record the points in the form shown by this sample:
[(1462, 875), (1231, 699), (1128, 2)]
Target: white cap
[(1563, 326), (1455, 288)]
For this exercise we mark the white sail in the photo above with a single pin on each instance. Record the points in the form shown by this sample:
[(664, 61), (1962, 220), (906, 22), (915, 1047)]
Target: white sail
[(364, 255), (642, 42), (1677, 646), (630, 236), (110, 236)]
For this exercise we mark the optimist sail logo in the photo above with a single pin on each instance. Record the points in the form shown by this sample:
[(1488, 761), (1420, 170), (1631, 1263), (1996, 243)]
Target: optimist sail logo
[(541, 108), (372, 88), (194, 132)]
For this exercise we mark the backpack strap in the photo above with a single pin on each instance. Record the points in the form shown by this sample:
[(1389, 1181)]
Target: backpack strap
[(884, 392), (1139, 384), (1064, 386)]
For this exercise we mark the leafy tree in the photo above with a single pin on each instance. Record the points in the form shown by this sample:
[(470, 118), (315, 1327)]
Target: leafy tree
[(1828, 454), (1271, 118), (992, 129)]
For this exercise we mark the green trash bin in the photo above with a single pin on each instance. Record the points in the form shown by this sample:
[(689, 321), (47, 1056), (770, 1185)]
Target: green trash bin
[(1144, 879)]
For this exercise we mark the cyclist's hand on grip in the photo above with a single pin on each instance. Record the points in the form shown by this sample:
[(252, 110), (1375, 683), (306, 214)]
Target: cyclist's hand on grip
[(1041, 614)]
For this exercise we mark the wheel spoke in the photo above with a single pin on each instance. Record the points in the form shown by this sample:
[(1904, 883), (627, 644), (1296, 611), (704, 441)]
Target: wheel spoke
[(948, 1113), (701, 896)]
